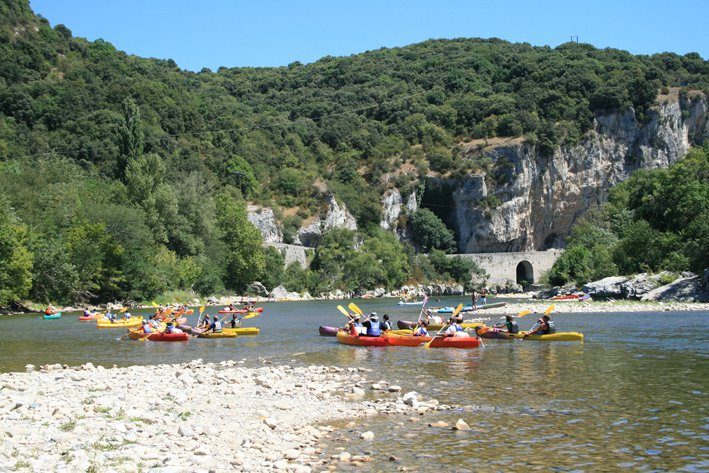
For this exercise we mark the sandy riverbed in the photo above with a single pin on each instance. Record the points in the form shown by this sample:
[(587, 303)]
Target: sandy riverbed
[(188, 417)]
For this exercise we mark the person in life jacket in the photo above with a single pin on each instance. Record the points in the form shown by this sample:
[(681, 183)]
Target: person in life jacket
[(386, 325), (215, 326), (455, 329), (373, 326), (87, 312), (508, 323), (544, 326), (420, 330), (146, 327)]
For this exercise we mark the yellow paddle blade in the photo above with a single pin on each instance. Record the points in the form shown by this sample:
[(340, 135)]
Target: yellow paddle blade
[(344, 311), (457, 310), (549, 309), (523, 313), (155, 304), (354, 308), (123, 309), (201, 309)]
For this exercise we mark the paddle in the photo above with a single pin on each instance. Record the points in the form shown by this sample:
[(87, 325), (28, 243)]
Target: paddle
[(445, 326), (199, 317), (546, 312), (344, 312), (353, 307)]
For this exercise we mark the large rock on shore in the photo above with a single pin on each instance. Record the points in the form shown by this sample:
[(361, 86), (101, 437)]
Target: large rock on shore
[(686, 289), (606, 288)]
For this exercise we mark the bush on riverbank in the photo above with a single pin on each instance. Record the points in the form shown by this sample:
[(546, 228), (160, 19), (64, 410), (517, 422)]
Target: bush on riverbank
[(656, 220)]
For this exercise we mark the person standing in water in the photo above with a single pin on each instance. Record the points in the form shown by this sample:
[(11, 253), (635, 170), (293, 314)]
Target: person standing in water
[(474, 300)]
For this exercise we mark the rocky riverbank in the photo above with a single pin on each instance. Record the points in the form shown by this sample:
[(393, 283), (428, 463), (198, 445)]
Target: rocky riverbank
[(589, 307), (185, 417)]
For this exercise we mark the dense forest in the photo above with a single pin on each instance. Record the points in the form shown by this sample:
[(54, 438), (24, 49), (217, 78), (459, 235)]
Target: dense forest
[(124, 177)]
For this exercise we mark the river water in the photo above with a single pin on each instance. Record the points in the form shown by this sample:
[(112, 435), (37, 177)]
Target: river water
[(632, 396)]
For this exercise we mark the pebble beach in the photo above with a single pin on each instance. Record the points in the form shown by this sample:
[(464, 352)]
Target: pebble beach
[(185, 417)]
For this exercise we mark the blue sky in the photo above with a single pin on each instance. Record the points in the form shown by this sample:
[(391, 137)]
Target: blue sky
[(230, 33)]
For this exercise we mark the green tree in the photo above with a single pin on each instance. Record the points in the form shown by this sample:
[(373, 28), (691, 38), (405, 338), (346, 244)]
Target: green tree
[(430, 233), (15, 258), (130, 135), (273, 269), (243, 259)]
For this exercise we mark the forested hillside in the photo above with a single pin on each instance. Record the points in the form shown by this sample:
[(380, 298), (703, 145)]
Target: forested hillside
[(124, 177)]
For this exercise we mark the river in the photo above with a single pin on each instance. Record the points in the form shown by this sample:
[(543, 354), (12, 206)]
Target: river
[(632, 396)]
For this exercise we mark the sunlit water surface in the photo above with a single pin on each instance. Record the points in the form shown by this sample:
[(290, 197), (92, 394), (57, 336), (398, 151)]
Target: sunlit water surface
[(632, 396)]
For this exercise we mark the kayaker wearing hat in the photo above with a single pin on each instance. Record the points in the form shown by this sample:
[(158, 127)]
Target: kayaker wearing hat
[(544, 326), (508, 322), (455, 329), (374, 328)]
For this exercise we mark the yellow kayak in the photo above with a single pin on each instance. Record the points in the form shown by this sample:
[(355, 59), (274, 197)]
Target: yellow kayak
[(222, 334), (119, 323), (243, 330), (553, 337)]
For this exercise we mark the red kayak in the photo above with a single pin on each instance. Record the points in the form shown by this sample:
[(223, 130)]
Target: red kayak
[(361, 341), (85, 318), (455, 342), (241, 311)]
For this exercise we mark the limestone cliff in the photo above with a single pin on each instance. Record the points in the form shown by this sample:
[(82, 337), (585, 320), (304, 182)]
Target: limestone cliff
[(543, 195)]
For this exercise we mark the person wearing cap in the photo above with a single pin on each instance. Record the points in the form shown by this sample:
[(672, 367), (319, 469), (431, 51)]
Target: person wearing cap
[(386, 325), (433, 318), (373, 326), (508, 322), (354, 326), (543, 326), (455, 329)]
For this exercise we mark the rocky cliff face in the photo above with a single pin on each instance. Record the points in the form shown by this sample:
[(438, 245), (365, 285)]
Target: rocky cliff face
[(545, 194), (263, 219)]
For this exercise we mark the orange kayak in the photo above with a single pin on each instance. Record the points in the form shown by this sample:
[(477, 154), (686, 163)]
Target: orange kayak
[(405, 340), (361, 341), (455, 342)]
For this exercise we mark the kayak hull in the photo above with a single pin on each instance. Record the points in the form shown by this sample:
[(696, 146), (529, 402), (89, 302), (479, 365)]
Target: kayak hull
[(159, 336), (222, 334), (361, 341), (419, 303), (409, 340), (455, 342), (405, 324), (130, 323), (327, 331), (58, 315), (493, 335), (242, 330), (468, 308), (240, 311), (552, 337)]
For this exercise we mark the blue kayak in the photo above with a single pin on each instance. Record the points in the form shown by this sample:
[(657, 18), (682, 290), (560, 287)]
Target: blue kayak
[(58, 315)]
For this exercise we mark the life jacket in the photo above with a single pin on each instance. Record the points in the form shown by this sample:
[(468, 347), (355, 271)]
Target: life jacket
[(374, 329), (512, 327), (550, 328), (146, 328), (217, 325), (420, 332)]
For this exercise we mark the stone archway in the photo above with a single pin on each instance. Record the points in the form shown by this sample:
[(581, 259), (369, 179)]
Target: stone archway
[(525, 273)]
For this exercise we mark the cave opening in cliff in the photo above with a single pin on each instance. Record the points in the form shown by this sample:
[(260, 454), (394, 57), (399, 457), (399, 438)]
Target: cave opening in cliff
[(438, 198), (525, 273)]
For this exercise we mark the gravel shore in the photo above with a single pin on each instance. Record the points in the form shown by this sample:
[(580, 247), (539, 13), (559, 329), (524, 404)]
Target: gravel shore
[(591, 307), (184, 417)]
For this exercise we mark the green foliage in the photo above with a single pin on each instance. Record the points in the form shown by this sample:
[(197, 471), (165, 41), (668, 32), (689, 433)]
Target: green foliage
[(273, 269), (243, 259), (15, 258), (656, 220), (430, 233)]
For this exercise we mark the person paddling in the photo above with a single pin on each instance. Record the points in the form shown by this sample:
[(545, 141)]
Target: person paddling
[(421, 330), (455, 329), (215, 326), (543, 326), (386, 325), (508, 322), (373, 326)]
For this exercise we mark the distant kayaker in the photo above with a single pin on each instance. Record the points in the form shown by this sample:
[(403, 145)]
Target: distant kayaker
[(420, 330), (49, 310), (232, 307), (508, 322), (386, 325), (373, 326), (111, 317), (234, 321), (455, 329), (543, 326)]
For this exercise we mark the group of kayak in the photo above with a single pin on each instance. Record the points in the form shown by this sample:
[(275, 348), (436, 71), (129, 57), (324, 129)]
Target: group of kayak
[(454, 333)]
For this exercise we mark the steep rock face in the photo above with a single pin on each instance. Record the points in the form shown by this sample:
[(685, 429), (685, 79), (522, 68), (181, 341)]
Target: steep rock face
[(543, 195), (263, 219), (391, 209), (335, 216)]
